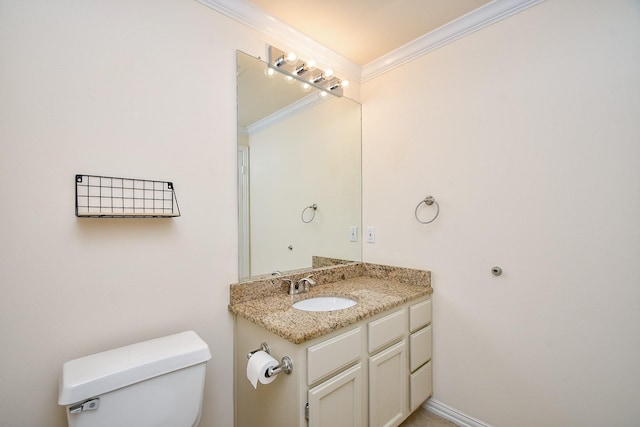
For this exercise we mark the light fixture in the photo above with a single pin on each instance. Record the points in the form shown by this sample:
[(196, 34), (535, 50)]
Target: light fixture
[(334, 85), (301, 69), (294, 67), (280, 61)]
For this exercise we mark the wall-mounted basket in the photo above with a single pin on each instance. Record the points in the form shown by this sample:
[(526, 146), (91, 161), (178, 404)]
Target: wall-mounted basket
[(110, 197)]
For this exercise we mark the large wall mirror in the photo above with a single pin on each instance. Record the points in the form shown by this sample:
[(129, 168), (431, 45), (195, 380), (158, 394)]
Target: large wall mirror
[(298, 147)]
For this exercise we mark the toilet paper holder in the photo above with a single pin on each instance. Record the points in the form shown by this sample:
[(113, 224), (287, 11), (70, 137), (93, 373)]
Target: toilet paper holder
[(286, 364), (263, 347)]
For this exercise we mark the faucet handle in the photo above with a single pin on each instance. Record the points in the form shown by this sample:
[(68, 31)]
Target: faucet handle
[(309, 280), (303, 284)]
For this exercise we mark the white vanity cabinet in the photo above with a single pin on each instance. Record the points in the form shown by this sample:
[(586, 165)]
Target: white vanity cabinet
[(372, 373)]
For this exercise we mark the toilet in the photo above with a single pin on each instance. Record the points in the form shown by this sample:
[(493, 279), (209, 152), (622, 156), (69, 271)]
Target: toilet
[(154, 383)]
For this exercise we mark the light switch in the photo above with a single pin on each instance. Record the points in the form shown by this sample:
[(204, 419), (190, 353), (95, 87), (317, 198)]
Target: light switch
[(371, 234), (353, 233)]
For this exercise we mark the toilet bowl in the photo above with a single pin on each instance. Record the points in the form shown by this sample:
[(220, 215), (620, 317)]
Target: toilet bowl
[(155, 383)]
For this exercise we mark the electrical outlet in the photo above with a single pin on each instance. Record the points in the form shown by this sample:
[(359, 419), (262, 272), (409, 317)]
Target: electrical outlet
[(371, 234), (353, 233)]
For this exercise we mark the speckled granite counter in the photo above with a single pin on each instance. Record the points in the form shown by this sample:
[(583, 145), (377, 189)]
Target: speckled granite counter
[(377, 288)]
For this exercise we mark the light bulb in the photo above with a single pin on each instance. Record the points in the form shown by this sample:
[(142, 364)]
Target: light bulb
[(305, 87), (269, 72), (329, 72), (345, 83), (291, 57), (311, 63)]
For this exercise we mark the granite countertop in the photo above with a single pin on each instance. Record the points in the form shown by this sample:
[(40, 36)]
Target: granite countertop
[(376, 288)]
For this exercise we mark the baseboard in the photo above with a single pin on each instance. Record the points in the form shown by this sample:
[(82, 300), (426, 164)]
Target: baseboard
[(448, 413)]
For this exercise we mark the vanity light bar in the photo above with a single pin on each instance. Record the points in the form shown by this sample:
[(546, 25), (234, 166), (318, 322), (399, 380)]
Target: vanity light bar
[(298, 69)]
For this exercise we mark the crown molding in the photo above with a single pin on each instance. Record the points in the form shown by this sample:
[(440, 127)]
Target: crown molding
[(475, 20), (288, 111), (251, 15)]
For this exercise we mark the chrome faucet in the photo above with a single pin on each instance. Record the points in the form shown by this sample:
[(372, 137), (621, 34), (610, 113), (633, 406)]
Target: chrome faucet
[(292, 286), (303, 284)]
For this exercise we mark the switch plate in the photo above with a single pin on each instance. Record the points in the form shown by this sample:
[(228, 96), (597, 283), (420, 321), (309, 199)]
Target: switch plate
[(353, 233), (371, 234)]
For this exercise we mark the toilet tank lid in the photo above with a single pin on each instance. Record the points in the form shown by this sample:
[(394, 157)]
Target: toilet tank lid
[(101, 373)]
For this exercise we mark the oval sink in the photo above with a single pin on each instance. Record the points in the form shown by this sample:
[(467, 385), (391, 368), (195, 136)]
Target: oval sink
[(324, 304)]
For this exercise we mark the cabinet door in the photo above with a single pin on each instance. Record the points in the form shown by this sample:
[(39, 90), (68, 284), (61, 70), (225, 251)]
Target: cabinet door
[(388, 386), (337, 402)]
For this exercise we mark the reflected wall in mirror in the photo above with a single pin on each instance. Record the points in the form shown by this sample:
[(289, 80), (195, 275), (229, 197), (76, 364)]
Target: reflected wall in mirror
[(296, 148)]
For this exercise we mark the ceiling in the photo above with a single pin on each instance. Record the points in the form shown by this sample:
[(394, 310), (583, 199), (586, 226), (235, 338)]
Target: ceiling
[(365, 30)]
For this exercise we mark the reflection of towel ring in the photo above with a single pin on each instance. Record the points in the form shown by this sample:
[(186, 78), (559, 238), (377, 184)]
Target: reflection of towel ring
[(429, 200), (313, 207)]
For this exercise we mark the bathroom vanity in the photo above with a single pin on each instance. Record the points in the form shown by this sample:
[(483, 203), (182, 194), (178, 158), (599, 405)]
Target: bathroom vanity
[(369, 364)]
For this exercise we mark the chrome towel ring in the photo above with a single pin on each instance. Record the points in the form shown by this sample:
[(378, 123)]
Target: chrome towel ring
[(429, 200), (313, 208)]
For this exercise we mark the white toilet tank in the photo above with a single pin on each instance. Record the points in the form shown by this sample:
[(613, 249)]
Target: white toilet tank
[(149, 384)]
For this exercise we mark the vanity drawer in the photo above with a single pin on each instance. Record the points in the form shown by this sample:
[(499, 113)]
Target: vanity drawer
[(387, 330), (419, 315), (332, 355), (420, 387), (420, 348)]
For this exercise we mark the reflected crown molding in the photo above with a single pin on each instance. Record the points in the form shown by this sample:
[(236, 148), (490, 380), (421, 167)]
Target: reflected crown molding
[(251, 15), (288, 111)]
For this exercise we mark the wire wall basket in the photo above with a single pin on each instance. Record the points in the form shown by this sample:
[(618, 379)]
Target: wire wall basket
[(110, 197)]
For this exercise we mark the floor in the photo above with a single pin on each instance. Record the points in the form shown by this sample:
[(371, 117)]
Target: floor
[(423, 418)]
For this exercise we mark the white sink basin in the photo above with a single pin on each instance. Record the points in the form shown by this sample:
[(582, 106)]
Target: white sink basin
[(324, 304)]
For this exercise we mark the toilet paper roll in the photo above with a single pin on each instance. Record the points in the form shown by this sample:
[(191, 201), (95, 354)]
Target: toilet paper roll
[(257, 367)]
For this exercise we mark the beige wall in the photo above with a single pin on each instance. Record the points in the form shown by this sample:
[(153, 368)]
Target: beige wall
[(527, 134), (141, 89)]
